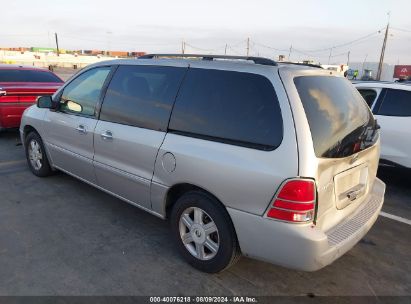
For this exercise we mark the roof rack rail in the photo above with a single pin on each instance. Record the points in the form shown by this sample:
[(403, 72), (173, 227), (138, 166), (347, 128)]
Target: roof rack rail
[(256, 60), (302, 63)]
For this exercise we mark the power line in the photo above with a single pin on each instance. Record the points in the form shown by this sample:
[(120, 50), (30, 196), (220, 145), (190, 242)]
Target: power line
[(400, 29), (340, 54), (304, 53), (25, 35), (254, 47), (105, 42), (238, 43), (309, 52), (269, 47), (233, 50), (346, 43), (203, 49)]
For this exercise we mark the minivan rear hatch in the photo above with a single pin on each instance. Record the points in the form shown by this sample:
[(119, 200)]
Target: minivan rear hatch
[(337, 136)]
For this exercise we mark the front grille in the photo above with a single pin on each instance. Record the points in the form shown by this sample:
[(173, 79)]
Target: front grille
[(347, 228)]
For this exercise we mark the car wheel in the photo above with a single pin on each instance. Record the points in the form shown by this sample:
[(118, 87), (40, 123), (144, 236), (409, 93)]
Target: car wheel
[(204, 233), (36, 155)]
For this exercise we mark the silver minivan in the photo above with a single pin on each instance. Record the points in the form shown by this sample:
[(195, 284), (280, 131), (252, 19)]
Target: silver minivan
[(243, 155)]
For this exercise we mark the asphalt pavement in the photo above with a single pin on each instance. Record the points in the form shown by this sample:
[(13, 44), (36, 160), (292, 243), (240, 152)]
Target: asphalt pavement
[(59, 236)]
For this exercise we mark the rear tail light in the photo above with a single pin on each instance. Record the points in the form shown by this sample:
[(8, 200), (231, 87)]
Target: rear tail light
[(294, 202)]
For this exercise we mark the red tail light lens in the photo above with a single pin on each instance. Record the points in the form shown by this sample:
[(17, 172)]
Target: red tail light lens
[(293, 206), (295, 202), (298, 190)]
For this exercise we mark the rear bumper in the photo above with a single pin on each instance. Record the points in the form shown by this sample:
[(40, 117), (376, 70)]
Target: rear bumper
[(305, 246)]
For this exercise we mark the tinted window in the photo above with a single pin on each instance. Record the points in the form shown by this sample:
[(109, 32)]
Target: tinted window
[(396, 103), (27, 76), (368, 95), (232, 107), (85, 90), (340, 121), (142, 96)]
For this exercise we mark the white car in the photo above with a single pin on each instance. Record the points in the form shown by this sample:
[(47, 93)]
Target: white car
[(390, 103)]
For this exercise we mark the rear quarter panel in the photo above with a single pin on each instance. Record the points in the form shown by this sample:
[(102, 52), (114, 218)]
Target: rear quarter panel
[(241, 178)]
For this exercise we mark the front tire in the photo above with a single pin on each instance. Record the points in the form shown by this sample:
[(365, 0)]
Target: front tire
[(204, 233), (36, 155)]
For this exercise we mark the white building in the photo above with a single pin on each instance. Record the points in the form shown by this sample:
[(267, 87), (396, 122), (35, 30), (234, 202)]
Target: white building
[(387, 69)]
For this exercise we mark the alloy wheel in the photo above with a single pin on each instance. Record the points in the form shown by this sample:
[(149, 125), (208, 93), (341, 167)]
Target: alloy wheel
[(199, 233), (35, 154)]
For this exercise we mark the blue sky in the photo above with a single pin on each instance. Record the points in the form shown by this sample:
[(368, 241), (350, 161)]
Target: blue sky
[(312, 27)]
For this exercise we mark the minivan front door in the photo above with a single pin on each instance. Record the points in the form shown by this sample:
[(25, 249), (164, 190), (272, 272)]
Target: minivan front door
[(124, 160), (69, 129), (132, 126)]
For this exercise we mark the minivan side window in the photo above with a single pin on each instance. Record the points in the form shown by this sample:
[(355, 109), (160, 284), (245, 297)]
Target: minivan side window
[(396, 103), (82, 94), (369, 95), (231, 107), (142, 96)]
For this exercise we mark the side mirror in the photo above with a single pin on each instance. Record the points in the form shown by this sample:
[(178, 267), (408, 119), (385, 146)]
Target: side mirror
[(44, 102)]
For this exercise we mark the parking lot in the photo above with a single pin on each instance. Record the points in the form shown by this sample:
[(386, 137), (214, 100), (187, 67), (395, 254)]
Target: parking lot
[(59, 236)]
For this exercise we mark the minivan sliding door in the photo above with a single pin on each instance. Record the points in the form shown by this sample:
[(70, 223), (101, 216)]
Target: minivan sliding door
[(133, 122)]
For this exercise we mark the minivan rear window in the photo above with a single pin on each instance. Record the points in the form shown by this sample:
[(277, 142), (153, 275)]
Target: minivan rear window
[(340, 121), (20, 75)]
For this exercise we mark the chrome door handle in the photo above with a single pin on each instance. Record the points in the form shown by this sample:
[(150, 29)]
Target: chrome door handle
[(107, 135), (81, 129)]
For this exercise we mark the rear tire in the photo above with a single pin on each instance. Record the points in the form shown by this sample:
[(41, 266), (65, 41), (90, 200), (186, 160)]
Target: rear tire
[(210, 243), (36, 155)]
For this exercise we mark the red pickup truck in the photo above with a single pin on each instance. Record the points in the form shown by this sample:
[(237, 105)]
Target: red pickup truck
[(19, 88)]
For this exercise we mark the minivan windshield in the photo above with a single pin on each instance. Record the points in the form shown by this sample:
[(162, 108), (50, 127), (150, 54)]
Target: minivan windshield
[(340, 121)]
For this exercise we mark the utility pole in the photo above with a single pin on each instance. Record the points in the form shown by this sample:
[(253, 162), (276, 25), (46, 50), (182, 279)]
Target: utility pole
[(57, 44), (289, 53), (329, 57), (225, 49), (183, 47), (248, 46), (348, 59), (384, 44)]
